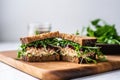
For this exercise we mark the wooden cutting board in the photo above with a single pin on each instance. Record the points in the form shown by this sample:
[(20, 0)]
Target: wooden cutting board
[(59, 70)]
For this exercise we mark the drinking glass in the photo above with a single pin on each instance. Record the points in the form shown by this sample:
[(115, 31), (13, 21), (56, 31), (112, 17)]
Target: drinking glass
[(38, 28)]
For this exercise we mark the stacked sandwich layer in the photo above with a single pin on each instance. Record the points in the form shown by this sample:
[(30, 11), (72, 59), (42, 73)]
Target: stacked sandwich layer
[(55, 46)]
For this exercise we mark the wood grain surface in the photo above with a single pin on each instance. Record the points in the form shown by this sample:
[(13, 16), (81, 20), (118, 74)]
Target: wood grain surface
[(59, 70)]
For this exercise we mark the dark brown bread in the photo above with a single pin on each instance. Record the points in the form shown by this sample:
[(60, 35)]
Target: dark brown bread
[(76, 59), (42, 36), (83, 41), (55, 57), (71, 59)]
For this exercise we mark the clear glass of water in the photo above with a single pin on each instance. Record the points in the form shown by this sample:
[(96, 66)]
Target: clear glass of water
[(38, 28)]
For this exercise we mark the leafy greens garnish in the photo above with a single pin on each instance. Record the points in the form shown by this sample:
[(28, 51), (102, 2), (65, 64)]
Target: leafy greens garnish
[(105, 33)]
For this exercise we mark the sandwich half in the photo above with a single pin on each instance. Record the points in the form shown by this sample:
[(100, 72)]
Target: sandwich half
[(55, 46)]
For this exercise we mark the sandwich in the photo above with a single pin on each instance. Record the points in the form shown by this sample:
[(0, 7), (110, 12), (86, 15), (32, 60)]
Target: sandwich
[(56, 46)]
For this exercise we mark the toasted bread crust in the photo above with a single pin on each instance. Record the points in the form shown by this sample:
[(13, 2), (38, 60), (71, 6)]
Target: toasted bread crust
[(83, 41), (55, 57), (30, 39), (76, 59)]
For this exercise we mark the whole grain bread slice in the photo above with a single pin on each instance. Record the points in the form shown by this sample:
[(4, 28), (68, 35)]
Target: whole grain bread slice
[(29, 39), (76, 59), (82, 40), (55, 57)]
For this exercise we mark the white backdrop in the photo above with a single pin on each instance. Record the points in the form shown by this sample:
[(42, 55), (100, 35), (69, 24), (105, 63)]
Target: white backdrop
[(64, 15)]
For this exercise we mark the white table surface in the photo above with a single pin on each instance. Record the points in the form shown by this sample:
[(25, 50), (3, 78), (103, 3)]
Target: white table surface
[(9, 73)]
